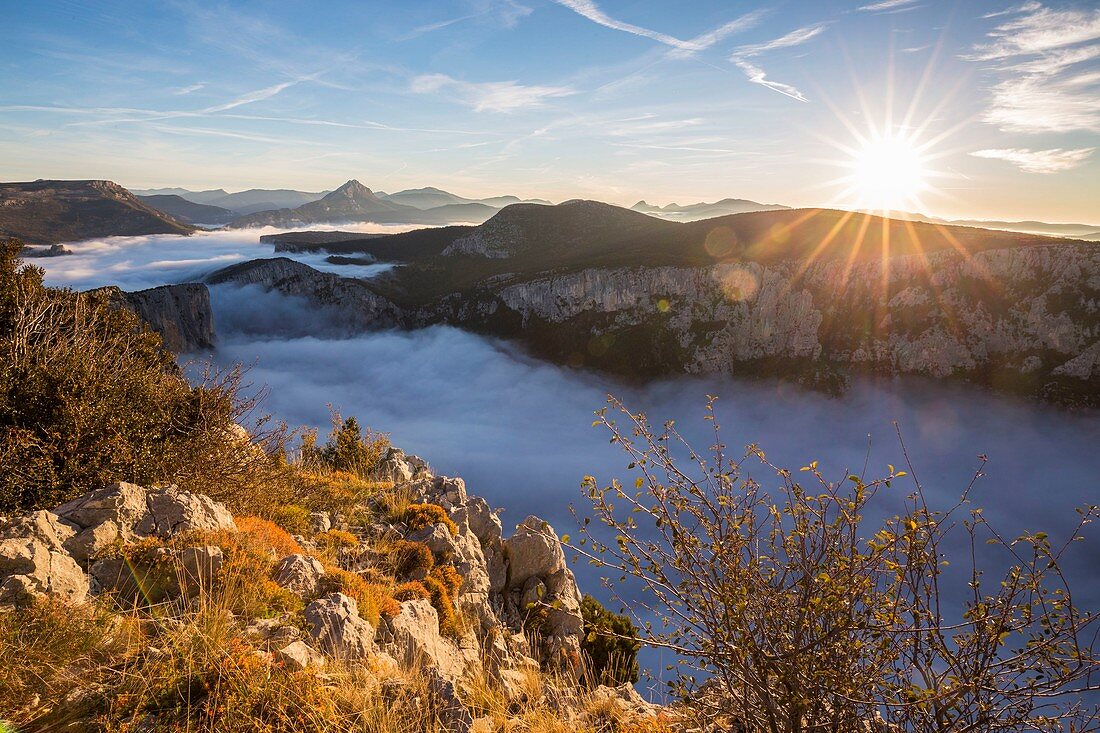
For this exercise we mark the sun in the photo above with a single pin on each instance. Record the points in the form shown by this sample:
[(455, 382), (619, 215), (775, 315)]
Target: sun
[(888, 173)]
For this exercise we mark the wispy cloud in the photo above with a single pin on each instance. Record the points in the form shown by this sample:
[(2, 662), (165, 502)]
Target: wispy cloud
[(590, 10), (1037, 54), (794, 38), (886, 5), (757, 75), (1038, 161), (189, 89), (492, 96), (505, 12), (257, 95)]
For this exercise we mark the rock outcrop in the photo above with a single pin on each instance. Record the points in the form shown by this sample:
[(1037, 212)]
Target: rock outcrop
[(517, 601), (58, 552), (337, 627), (181, 314)]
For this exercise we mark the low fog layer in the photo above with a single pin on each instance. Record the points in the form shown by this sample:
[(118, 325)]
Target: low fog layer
[(136, 263), (519, 430)]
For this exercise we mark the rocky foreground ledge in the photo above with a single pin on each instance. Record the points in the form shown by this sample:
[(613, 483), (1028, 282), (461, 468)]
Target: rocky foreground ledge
[(78, 552)]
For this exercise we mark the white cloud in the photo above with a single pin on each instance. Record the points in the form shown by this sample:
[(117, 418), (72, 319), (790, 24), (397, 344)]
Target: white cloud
[(254, 96), (590, 10), (887, 5), (794, 38), (189, 89), (1035, 53), (1036, 103), (1038, 161), (757, 75), (507, 13), (492, 96)]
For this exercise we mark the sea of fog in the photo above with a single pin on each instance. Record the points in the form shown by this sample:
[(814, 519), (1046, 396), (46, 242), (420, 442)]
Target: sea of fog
[(520, 430)]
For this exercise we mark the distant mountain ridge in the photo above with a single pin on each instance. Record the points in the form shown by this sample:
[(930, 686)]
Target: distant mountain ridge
[(241, 202), (50, 212), (188, 211), (695, 212), (353, 202)]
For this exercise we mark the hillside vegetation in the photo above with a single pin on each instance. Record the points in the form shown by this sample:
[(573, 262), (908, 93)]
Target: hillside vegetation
[(48, 212)]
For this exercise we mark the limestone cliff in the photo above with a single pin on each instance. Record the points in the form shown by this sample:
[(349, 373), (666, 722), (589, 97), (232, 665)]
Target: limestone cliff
[(1023, 319), (181, 314)]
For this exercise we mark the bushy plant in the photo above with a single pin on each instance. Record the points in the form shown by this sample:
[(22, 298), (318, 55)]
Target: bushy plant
[(347, 449), (409, 559), (267, 535), (610, 644), (46, 649), (418, 516), (89, 396), (803, 614), (443, 585), (374, 600)]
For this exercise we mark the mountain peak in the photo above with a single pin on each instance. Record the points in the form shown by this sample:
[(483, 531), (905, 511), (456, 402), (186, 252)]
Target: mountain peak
[(352, 189)]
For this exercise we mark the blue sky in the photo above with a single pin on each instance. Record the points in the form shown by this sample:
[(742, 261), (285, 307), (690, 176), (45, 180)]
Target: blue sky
[(610, 99)]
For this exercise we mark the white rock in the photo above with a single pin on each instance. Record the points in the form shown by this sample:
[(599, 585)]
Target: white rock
[(297, 655), (336, 625), (300, 574), (33, 560)]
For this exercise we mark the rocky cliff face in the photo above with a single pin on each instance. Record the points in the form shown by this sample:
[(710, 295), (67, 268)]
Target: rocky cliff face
[(1025, 319), (181, 314)]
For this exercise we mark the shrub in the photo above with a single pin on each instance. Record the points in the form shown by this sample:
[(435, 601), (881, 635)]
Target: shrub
[(325, 490), (89, 396), (442, 585), (46, 649), (610, 644), (347, 448), (409, 559), (336, 539), (805, 615), (418, 516), (374, 600), (414, 590), (291, 517), (265, 534)]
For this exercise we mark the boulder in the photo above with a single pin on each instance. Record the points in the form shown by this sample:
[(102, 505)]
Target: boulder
[(624, 699), (393, 467), (534, 590), (336, 625), (300, 574), (33, 560), (447, 492), (415, 640), (484, 522), (437, 538), (126, 512), (297, 655), (533, 550), (172, 511), (485, 525)]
